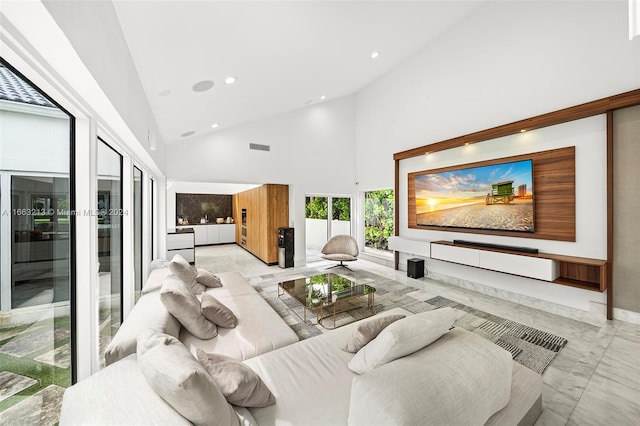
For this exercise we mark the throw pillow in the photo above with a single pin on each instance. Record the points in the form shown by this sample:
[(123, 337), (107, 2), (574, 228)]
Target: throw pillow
[(238, 382), (186, 272), (181, 381), (217, 313), (368, 330), (185, 306), (402, 338), (207, 278)]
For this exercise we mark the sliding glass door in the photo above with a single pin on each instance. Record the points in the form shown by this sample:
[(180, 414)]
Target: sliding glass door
[(318, 227), (36, 253), (137, 231), (110, 214)]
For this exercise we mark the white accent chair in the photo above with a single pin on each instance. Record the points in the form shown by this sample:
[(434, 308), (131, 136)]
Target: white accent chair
[(341, 248)]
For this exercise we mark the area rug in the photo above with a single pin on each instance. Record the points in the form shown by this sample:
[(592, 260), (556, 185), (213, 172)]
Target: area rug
[(533, 348)]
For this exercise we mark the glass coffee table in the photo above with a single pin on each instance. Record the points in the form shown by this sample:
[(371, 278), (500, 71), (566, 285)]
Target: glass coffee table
[(322, 294)]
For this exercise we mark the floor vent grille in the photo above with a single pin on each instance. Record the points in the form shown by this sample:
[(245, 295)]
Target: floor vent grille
[(259, 147)]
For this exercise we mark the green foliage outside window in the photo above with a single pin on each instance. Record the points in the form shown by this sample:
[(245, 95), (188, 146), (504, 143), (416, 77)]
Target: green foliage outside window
[(378, 218), (315, 208)]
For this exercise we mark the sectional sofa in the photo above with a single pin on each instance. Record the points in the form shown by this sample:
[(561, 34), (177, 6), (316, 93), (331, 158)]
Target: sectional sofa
[(458, 378)]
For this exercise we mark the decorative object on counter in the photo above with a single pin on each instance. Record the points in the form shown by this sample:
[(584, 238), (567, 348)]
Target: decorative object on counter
[(229, 219), (220, 220)]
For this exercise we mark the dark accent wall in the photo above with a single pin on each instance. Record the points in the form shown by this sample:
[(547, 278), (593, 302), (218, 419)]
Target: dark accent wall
[(195, 206)]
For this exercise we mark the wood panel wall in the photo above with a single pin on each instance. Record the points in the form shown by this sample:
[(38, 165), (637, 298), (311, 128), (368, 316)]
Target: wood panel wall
[(267, 210), (553, 191)]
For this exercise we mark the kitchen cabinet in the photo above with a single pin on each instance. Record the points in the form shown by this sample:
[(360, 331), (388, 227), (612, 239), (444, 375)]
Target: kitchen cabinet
[(223, 233), (267, 209)]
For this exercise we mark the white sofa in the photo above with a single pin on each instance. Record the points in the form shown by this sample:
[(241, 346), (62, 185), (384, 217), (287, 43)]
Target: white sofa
[(260, 329), (314, 386)]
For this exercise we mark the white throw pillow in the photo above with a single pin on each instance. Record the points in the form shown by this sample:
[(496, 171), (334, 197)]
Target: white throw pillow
[(186, 272), (207, 278), (401, 338), (185, 306), (216, 312), (369, 330), (181, 381), (241, 385)]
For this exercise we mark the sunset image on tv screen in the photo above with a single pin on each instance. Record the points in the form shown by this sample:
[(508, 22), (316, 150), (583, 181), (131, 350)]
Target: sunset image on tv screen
[(497, 196)]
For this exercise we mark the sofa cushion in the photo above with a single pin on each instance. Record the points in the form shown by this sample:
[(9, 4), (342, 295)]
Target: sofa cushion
[(117, 395), (155, 279), (369, 330), (216, 312), (185, 306), (186, 272), (403, 337), (181, 381), (260, 329), (237, 381), (148, 312), (462, 379), (207, 278)]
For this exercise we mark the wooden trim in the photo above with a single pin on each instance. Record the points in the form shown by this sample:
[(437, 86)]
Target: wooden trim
[(610, 210), (589, 109), (577, 112)]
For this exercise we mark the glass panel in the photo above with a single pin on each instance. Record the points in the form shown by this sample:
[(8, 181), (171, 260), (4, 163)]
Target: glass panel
[(137, 230), (316, 226), (40, 249), (341, 216), (109, 244), (35, 254), (151, 218), (378, 219)]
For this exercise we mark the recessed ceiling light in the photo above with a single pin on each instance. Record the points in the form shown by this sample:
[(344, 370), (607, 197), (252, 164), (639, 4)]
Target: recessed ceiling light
[(202, 86), (323, 97), (467, 143), (375, 54), (165, 92), (523, 130), (189, 133), (214, 125), (230, 80)]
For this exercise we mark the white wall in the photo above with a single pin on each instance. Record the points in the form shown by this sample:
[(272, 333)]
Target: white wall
[(312, 150), (589, 138), (94, 31), (506, 62)]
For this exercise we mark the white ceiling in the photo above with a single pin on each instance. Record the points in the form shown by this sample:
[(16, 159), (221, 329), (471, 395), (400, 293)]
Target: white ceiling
[(284, 54)]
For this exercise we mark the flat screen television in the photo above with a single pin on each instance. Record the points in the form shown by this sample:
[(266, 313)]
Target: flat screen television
[(497, 196)]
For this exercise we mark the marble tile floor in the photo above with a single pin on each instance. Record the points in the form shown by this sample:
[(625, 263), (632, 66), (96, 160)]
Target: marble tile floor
[(594, 380)]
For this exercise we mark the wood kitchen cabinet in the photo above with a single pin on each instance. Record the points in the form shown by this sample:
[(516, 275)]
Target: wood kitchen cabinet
[(267, 209)]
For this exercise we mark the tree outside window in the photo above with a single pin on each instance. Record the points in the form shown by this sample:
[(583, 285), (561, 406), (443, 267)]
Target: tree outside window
[(378, 218)]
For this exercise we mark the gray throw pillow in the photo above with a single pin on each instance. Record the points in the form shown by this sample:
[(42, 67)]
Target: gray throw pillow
[(217, 313), (175, 375), (237, 381), (186, 272), (207, 279), (367, 331), (185, 306)]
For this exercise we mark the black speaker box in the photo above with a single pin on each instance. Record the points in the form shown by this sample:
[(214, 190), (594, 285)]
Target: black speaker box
[(415, 268)]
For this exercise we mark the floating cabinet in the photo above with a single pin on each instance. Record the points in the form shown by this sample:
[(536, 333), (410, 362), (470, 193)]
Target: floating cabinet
[(585, 273)]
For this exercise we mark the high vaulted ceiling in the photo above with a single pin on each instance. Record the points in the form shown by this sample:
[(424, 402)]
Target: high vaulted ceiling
[(284, 54)]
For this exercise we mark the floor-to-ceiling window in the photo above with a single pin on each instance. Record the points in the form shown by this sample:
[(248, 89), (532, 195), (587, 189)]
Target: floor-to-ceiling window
[(110, 215), (37, 272), (137, 230), (318, 227)]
